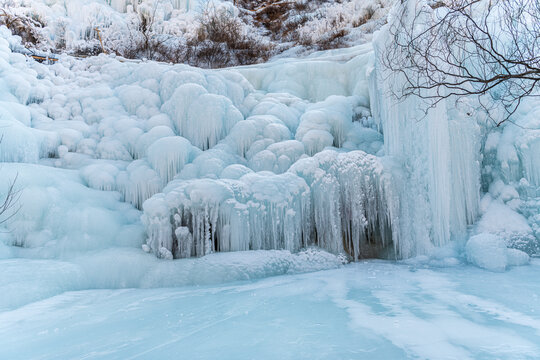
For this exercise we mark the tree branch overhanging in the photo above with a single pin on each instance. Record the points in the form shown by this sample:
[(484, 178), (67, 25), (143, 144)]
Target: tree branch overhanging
[(463, 48)]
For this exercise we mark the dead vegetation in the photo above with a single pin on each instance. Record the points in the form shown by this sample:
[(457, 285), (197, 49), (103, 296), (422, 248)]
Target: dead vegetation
[(285, 21), (24, 26), (220, 40), (259, 30)]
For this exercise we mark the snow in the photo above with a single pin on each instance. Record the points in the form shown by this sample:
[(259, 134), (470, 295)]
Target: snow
[(499, 218), (159, 197), (282, 155), (490, 252), (371, 309), (57, 216), (29, 279)]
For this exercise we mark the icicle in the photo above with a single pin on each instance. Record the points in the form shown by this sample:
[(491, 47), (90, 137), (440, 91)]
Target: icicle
[(348, 206), (258, 211), (439, 154)]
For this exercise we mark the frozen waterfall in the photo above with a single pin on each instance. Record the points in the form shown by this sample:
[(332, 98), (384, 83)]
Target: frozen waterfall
[(342, 202), (283, 155), (440, 155)]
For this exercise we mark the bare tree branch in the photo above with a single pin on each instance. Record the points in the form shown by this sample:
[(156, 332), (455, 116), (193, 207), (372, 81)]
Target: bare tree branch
[(460, 48), (10, 204)]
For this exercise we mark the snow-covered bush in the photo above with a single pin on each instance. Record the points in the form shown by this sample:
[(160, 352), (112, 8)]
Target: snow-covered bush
[(333, 23), (319, 24), (204, 33), (27, 27), (224, 40)]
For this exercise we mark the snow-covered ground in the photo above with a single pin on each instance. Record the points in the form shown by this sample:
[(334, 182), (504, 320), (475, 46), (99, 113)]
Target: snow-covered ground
[(369, 310)]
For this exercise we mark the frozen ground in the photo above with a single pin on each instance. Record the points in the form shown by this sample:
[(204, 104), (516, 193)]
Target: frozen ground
[(368, 310)]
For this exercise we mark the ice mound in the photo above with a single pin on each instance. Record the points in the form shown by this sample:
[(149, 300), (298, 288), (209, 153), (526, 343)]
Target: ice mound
[(169, 155), (57, 216), (326, 123), (353, 204), (490, 252), (237, 266), (202, 118), (501, 220)]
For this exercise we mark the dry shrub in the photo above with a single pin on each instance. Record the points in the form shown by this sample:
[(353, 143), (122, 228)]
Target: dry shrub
[(222, 41), (24, 26), (284, 21), (220, 27), (273, 16), (332, 40), (87, 48), (364, 18)]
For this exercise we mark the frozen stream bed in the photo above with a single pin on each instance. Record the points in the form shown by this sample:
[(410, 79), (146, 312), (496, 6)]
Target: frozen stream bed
[(367, 310)]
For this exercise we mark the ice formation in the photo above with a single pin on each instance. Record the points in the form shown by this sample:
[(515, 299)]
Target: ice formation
[(490, 252), (340, 202), (283, 155), (439, 152), (291, 166)]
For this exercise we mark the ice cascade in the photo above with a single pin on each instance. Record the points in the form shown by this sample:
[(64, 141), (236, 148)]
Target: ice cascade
[(439, 152), (342, 202)]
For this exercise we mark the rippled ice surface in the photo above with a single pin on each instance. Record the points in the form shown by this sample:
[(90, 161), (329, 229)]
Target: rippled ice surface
[(369, 310)]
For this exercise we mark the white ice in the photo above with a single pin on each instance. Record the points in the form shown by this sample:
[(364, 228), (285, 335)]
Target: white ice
[(282, 168), (373, 309)]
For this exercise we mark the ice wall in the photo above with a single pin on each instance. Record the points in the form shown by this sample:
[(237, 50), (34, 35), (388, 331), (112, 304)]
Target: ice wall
[(439, 151), (219, 161), (309, 118), (289, 174)]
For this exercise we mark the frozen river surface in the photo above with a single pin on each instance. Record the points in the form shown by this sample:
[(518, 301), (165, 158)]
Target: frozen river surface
[(369, 310)]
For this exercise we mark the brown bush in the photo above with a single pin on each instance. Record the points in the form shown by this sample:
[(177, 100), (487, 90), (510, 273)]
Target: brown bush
[(364, 19), (23, 26), (222, 41)]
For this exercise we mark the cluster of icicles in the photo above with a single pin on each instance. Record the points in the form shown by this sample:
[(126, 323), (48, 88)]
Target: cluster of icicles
[(341, 202)]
